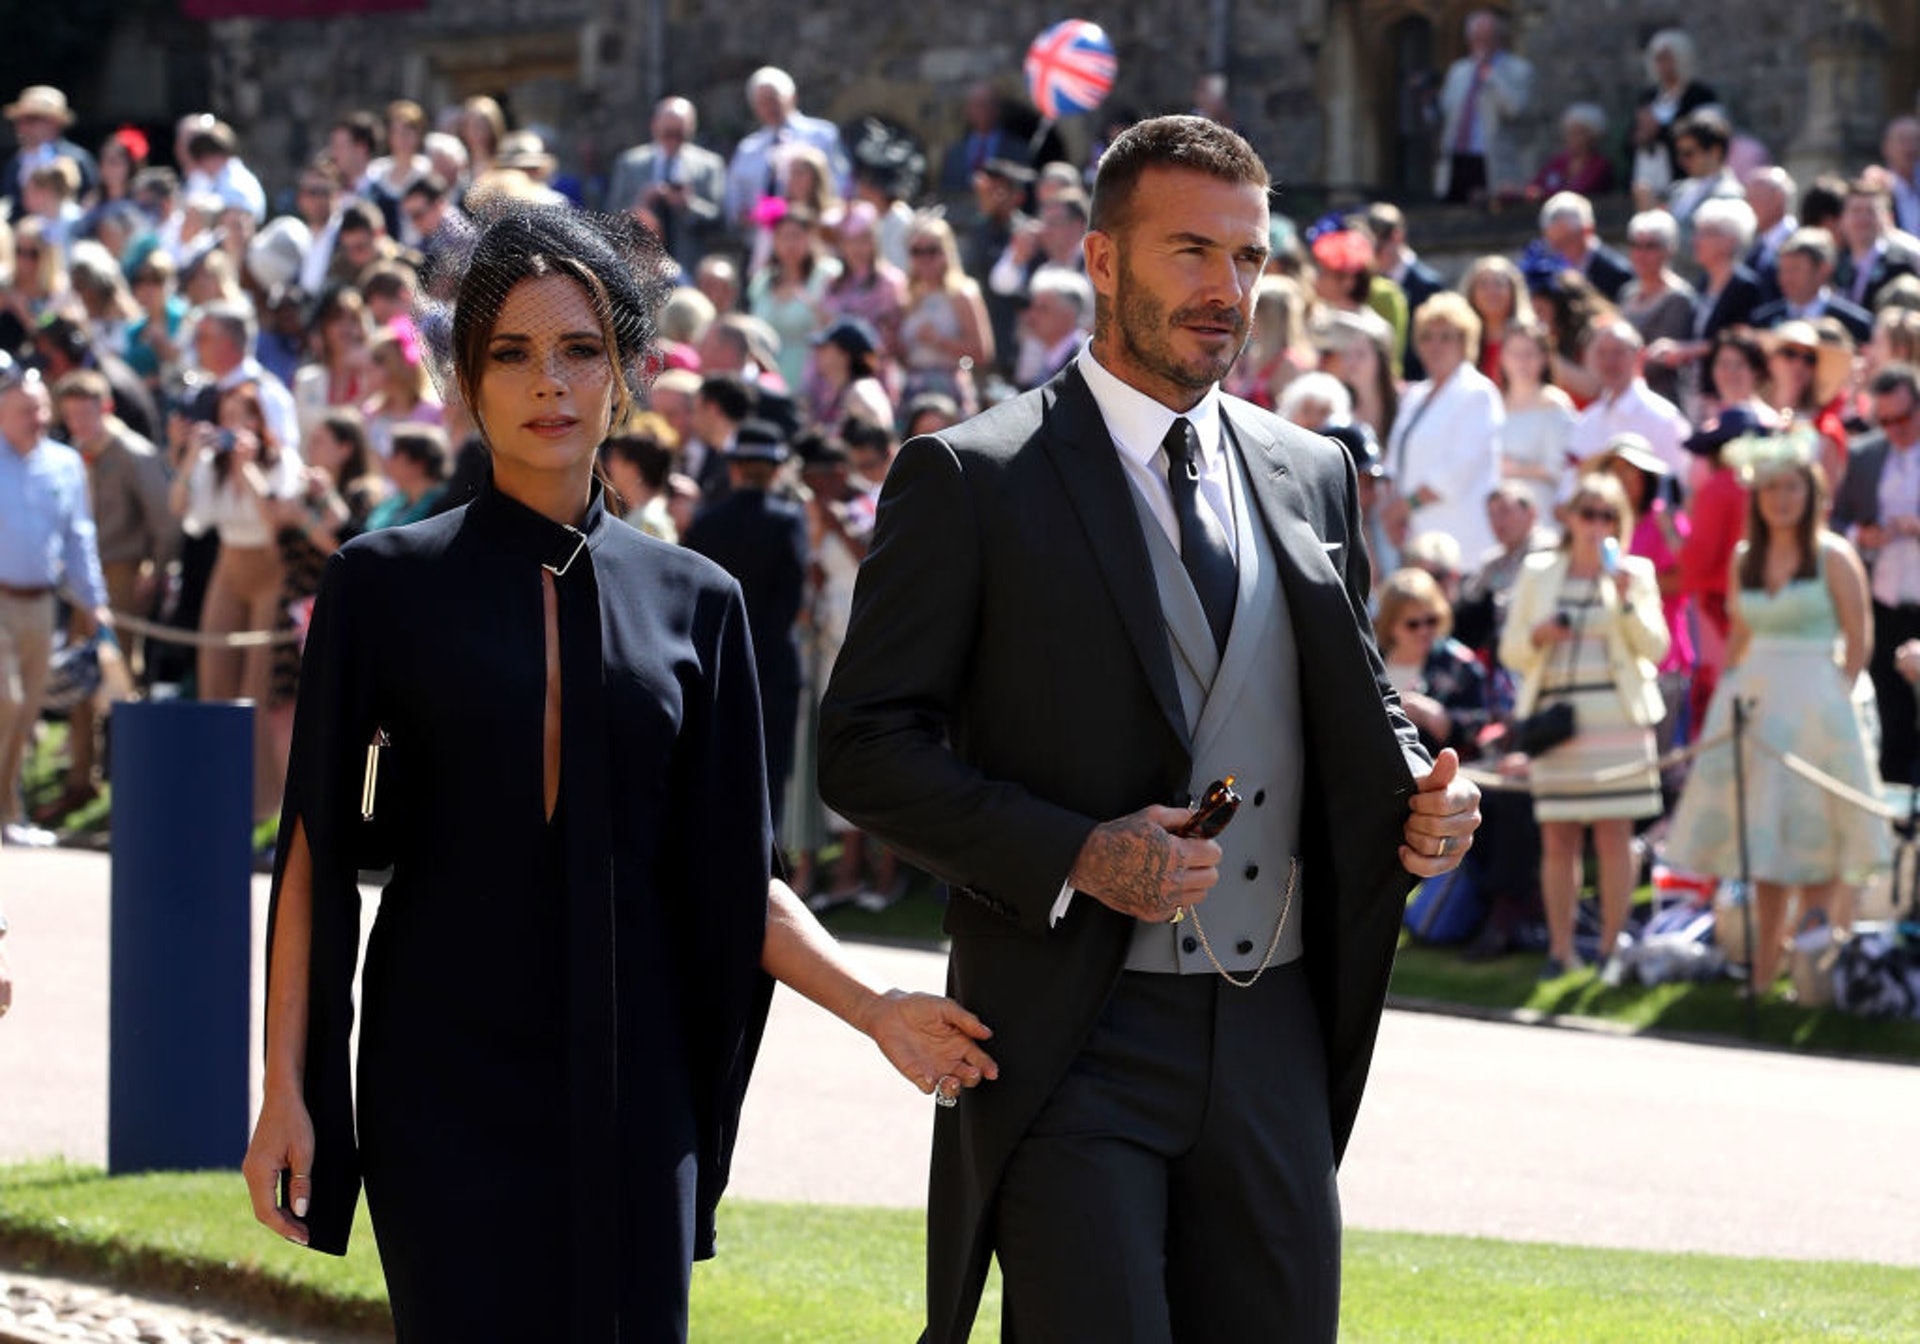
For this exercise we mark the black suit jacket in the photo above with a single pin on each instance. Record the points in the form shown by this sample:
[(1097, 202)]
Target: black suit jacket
[(1857, 320), (1735, 305), (1609, 272), (761, 540), (1857, 502), (1892, 263), (1007, 682)]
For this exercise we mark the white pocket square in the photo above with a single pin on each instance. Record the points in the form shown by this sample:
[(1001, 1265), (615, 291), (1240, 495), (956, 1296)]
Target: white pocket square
[(1332, 547)]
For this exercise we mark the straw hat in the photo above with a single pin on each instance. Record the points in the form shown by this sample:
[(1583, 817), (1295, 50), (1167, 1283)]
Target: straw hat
[(1831, 346), (41, 100), (1631, 448), (524, 151)]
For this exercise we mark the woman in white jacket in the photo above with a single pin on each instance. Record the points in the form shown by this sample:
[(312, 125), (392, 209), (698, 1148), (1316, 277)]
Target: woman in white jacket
[(1444, 451), (1585, 626)]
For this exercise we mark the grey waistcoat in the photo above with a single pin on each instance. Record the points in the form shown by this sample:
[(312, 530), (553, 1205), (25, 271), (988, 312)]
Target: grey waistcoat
[(1243, 718)]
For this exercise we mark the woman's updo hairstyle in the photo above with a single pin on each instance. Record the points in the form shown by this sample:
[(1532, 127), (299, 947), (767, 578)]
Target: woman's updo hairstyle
[(615, 261)]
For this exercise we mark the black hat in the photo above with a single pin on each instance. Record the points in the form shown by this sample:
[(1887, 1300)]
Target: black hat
[(758, 441), (1731, 424), (851, 334), (1361, 446)]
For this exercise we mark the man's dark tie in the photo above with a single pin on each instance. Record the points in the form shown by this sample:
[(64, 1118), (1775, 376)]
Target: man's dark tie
[(1203, 546)]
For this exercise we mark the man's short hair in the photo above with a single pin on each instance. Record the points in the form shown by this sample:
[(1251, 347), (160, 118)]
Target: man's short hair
[(232, 316), (771, 76), (360, 217), (429, 187), (1896, 378), (1872, 188), (869, 437), (1823, 201), (388, 280), (1385, 220), (362, 127), (1814, 244), (1706, 128), (1193, 143), (217, 138), (90, 384), (728, 395), (426, 447), (1062, 283), (1567, 205)]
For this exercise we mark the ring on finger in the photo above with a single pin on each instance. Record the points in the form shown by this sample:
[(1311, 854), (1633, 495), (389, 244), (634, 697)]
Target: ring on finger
[(1446, 847)]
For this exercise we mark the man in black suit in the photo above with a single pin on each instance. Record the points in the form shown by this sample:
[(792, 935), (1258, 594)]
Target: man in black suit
[(1875, 255), (1877, 508), (985, 138), (674, 184), (1053, 639), (761, 539), (1802, 268), (1566, 225), (1402, 265)]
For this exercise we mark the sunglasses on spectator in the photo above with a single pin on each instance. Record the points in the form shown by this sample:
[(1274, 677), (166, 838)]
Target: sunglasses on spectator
[(1427, 622), (926, 250), (1590, 514), (1644, 242), (1799, 354), (1902, 421), (27, 253)]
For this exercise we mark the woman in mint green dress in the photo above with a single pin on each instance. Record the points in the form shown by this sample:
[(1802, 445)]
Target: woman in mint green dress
[(1801, 633)]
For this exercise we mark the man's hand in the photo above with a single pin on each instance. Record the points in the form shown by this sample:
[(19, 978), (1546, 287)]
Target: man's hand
[(1443, 814), (1136, 865)]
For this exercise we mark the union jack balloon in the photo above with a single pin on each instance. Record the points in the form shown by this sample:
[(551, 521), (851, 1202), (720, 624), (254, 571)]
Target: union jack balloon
[(1070, 68)]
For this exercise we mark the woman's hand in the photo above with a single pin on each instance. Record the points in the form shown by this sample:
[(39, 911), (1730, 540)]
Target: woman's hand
[(932, 1041), (282, 1142)]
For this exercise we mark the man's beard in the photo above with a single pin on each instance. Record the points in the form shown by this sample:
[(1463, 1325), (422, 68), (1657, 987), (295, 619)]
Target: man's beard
[(1146, 331)]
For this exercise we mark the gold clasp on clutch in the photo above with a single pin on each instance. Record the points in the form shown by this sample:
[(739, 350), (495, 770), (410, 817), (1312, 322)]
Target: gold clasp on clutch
[(371, 780)]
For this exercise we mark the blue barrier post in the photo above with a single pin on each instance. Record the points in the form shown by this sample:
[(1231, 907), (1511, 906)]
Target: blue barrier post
[(182, 933)]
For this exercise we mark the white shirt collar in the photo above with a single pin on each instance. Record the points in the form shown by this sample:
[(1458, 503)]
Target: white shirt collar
[(1137, 422)]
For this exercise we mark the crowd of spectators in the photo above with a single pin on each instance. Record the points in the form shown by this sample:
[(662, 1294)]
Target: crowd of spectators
[(1567, 431)]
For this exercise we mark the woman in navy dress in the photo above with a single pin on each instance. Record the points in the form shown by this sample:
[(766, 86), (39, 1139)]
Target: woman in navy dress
[(547, 723)]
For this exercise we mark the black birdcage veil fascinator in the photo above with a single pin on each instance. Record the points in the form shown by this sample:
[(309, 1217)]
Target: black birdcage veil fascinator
[(618, 265)]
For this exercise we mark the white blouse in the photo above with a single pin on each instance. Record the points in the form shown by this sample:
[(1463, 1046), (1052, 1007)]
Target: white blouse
[(229, 509)]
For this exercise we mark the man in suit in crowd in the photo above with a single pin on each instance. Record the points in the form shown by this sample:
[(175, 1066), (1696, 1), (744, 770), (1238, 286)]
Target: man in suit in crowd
[(758, 166), (39, 115), (1874, 253), (1770, 195), (1481, 100), (761, 539), (1566, 225), (1078, 609), (673, 183), (985, 138), (1802, 269), (1402, 265), (1877, 508)]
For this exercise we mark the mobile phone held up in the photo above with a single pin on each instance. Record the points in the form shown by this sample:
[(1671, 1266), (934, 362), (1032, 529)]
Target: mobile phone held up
[(1211, 814)]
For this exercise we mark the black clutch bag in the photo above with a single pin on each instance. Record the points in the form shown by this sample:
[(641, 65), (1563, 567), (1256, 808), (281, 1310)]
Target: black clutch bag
[(1540, 733)]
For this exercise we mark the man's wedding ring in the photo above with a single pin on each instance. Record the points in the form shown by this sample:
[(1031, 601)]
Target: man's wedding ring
[(1446, 847), (942, 1097)]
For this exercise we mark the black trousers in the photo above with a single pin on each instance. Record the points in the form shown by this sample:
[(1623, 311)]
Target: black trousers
[(1178, 1188), (1899, 735), (1467, 177)]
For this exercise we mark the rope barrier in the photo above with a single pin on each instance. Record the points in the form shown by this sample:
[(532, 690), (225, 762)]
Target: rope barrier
[(1799, 765), (169, 634)]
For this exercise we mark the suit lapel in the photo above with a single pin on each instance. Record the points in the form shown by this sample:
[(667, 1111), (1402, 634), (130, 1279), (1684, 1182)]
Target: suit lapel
[(1305, 567), (1077, 441)]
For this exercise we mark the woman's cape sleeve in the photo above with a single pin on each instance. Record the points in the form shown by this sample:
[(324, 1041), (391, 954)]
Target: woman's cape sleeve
[(334, 723)]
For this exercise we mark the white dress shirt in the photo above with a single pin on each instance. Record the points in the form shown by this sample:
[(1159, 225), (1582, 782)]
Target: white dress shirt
[(1638, 410), (1896, 570)]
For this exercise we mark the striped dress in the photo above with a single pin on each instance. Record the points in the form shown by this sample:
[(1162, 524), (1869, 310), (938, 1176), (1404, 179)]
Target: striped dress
[(1606, 737)]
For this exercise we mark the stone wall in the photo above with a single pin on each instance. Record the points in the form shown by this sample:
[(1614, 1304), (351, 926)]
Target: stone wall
[(1313, 80)]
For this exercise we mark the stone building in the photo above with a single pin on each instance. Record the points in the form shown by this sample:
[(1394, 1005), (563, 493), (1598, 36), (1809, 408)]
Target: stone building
[(1318, 85)]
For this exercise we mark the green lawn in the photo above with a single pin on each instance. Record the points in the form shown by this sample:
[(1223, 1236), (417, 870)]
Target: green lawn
[(828, 1275)]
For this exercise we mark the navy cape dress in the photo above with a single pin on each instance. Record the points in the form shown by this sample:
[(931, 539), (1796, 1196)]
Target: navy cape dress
[(559, 1013)]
